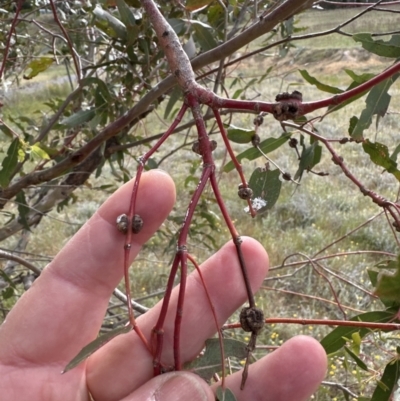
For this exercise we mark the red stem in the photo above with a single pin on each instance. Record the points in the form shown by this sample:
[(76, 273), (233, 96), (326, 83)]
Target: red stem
[(214, 314), (323, 322), (10, 33), (68, 39)]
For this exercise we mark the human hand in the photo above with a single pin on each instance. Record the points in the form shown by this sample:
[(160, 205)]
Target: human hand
[(63, 311)]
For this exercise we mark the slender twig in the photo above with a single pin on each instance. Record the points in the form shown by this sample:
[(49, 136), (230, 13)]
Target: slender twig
[(10, 34), (22, 261)]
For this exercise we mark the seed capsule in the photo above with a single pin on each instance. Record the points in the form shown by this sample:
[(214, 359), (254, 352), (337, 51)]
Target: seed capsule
[(255, 140), (137, 224), (196, 147), (122, 223), (245, 193), (252, 319)]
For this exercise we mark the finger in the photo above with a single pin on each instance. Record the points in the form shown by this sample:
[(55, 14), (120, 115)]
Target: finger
[(292, 372), (174, 386), (124, 364), (64, 309)]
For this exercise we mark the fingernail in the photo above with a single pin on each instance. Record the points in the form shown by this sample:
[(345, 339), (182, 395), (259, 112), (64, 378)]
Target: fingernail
[(182, 387)]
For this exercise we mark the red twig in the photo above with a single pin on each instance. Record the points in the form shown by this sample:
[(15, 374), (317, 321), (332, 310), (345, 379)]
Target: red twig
[(74, 56), (323, 322), (10, 33), (213, 312)]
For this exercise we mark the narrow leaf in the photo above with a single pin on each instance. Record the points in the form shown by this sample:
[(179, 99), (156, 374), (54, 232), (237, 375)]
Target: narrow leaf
[(390, 48), (377, 102), (356, 359), (175, 95), (196, 5), (379, 155), (210, 362), (336, 339), (388, 285), (240, 135), (9, 163), (318, 84), (267, 146), (80, 117), (387, 382), (23, 209), (38, 152), (203, 35), (310, 156), (95, 345), (37, 66)]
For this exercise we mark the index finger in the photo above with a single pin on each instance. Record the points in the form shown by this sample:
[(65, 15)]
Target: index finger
[(64, 309)]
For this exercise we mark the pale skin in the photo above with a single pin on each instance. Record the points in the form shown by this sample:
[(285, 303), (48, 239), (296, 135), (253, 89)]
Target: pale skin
[(63, 311)]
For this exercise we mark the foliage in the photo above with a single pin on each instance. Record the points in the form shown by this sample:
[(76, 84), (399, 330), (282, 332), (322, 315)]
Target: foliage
[(117, 79)]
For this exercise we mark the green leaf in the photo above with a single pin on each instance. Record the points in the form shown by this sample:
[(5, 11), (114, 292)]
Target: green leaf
[(129, 20), (352, 124), (95, 345), (38, 152), (310, 156), (224, 394), (266, 185), (377, 102), (336, 339), (388, 285), (395, 153), (80, 117), (390, 48), (210, 362), (9, 163), (7, 293), (357, 80), (203, 35), (127, 16), (175, 95), (319, 85), (356, 359), (37, 66), (379, 154), (240, 135), (23, 209), (267, 146), (193, 5), (387, 382)]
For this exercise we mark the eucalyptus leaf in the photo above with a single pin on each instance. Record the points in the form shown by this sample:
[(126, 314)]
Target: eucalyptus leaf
[(36, 66), (80, 117), (240, 135), (9, 163), (225, 394), (266, 186), (94, 346), (390, 48), (379, 154), (336, 339), (388, 381), (377, 103), (267, 146), (210, 362)]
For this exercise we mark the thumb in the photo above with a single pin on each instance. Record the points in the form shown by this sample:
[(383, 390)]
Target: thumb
[(174, 386)]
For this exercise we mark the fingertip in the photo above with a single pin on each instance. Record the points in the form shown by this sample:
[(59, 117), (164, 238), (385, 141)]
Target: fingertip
[(292, 372), (257, 259), (156, 188)]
